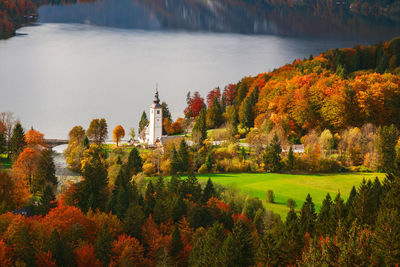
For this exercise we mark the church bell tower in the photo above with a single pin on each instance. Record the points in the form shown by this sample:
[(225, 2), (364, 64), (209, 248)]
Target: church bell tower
[(155, 124)]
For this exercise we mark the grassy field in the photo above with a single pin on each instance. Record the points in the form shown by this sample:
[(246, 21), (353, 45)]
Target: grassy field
[(297, 187), (4, 162)]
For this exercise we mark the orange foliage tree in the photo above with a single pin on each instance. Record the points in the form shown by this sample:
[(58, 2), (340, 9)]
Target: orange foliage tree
[(35, 138), (118, 133), (127, 250), (63, 217), (26, 165)]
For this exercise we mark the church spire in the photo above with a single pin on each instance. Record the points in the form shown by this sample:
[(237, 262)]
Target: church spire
[(156, 100)]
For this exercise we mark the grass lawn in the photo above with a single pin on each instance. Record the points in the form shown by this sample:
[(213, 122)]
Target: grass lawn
[(4, 162), (293, 186)]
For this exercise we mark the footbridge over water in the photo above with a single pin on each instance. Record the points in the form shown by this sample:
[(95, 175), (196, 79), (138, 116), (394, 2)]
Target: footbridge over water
[(55, 142)]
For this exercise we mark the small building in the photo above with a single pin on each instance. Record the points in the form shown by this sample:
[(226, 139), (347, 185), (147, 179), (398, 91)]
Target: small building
[(152, 133)]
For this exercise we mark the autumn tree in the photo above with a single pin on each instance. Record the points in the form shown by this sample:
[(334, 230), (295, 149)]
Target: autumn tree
[(26, 165), (3, 141), (195, 105), (229, 93), (76, 145), (35, 138), (118, 133), (97, 131)]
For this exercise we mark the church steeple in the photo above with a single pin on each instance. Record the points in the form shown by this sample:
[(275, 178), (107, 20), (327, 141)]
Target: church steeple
[(156, 100)]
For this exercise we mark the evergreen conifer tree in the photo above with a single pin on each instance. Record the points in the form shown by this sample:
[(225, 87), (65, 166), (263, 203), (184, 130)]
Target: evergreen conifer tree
[(134, 164), (308, 216), (133, 221), (200, 128), (17, 141), (102, 245), (143, 122), (183, 155), (208, 191), (323, 221), (176, 242), (271, 156)]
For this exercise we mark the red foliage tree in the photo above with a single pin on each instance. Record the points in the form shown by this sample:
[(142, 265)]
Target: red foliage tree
[(85, 256), (213, 95), (195, 105), (45, 260), (229, 94)]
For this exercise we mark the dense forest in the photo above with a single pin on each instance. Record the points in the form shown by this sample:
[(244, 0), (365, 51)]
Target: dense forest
[(137, 221)]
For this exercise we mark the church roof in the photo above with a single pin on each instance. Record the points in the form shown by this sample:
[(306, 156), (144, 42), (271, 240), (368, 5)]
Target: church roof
[(156, 101)]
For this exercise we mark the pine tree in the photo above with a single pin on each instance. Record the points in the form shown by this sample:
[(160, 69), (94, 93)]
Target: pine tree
[(17, 141), (291, 241), (183, 155), (175, 162), (308, 216), (176, 242), (363, 204), (247, 109), (60, 250), (290, 159), (387, 146), (214, 117), (143, 122), (102, 245), (209, 162), (135, 163), (200, 128), (238, 248), (337, 211), (47, 201), (269, 251), (149, 200), (179, 209), (45, 172), (271, 156), (90, 192), (208, 192), (207, 247), (387, 236), (323, 225), (191, 187), (133, 221)]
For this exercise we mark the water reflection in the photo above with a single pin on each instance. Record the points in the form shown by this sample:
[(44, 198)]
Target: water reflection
[(224, 16)]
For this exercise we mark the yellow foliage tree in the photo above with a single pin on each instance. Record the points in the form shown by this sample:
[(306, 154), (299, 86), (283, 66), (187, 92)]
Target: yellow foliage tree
[(118, 133)]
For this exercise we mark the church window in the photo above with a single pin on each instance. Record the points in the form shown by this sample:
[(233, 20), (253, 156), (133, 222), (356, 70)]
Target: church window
[(158, 112)]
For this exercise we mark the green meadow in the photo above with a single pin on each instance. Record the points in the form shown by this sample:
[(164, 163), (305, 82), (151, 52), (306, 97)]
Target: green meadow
[(295, 186)]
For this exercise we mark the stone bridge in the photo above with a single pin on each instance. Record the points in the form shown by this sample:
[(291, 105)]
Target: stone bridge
[(55, 142)]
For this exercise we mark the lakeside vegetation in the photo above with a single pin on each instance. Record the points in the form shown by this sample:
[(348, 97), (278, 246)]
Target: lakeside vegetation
[(340, 107)]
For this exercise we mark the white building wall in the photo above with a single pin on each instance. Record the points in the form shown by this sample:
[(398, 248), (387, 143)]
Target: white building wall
[(155, 125)]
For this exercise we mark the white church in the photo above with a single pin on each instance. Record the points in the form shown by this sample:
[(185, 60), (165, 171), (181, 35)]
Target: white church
[(152, 133)]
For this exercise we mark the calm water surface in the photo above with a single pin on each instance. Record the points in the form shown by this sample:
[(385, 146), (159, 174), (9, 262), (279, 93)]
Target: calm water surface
[(57, 75)]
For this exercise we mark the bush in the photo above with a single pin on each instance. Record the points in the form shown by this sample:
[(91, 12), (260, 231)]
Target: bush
[(291, 204), (203, 169), (149, 169), (270, 196)]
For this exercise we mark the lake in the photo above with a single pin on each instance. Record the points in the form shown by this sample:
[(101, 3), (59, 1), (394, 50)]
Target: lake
[(88, 61)]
